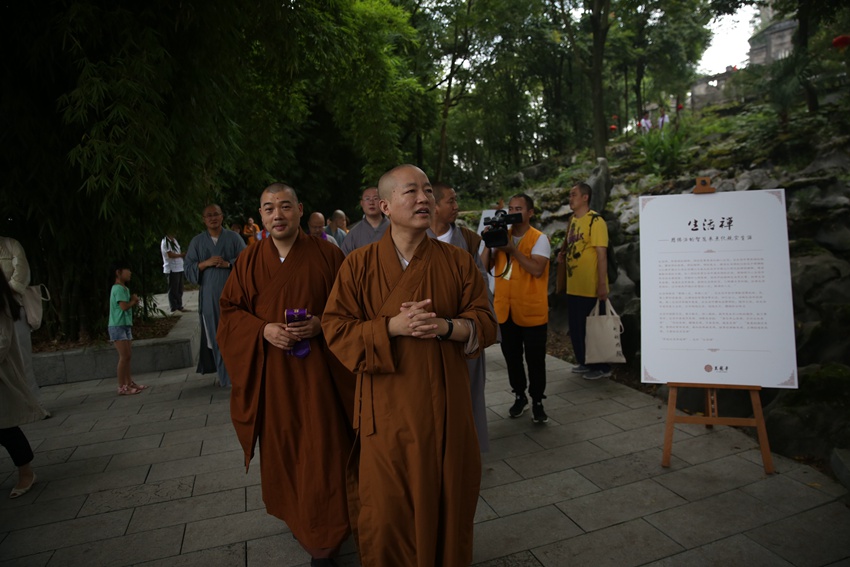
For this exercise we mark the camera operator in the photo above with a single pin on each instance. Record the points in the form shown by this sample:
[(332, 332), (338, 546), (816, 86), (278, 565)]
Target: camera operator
[(521, 270)]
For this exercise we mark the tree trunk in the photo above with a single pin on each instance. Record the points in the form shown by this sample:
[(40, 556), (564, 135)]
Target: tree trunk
[(441, 162), (599, 25), (801, 38), (640, 70), (624, 117)]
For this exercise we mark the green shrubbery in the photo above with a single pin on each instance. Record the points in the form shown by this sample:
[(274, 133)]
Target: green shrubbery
[(663, 151)]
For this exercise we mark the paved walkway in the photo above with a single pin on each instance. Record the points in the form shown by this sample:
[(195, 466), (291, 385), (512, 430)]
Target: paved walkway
[(157, 480)]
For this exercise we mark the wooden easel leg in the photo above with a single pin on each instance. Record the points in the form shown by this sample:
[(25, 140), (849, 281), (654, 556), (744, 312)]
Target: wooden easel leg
[(761, 428), (668, 428), (711, 405)]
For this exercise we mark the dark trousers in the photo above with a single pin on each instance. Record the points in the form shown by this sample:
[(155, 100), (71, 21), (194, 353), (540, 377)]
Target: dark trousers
[(578, 308), (175, 290), (515, 339), (14, 440)]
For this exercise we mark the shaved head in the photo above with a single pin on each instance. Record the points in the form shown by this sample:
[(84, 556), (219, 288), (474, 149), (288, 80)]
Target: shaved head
[(277, 188), (316, 223), (389, 180)]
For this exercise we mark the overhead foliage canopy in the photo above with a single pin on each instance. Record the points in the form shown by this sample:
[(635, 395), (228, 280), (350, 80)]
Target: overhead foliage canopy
[(121, 120)]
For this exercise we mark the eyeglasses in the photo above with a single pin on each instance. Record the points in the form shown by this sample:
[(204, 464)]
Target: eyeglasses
[(371, 199), (212, 215)]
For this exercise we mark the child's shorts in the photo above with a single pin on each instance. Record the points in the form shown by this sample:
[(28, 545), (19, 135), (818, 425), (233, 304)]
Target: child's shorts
[(122, 333)]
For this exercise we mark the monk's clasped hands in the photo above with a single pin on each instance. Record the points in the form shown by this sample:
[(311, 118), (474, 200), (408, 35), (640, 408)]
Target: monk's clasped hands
[(415, 319)]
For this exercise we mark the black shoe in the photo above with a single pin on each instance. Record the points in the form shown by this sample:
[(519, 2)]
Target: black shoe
[(519, 406), (537, 413)]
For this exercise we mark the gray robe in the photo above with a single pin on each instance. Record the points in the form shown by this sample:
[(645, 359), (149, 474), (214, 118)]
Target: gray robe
[(362, 234), (211, 282), (477, 366)]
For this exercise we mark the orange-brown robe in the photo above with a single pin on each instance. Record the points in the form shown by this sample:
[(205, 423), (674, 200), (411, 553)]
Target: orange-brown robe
[(419, 464), (298, 408)]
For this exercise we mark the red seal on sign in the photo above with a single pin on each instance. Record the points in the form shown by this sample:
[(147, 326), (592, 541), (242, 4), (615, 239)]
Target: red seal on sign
[(708, 368)]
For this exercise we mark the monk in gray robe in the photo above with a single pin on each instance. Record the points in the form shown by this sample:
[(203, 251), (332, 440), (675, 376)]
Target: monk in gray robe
[(371, 228), (444, 229), (208, 263)]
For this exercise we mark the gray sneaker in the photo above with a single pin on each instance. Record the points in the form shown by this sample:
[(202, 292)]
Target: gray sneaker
[(580, 369), (597, 374)]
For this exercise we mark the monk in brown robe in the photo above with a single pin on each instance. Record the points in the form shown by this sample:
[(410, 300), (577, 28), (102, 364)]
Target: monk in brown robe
[(404, 314), (289, 391)]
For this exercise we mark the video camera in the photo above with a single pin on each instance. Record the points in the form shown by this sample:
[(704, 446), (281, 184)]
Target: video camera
[(497, 236)]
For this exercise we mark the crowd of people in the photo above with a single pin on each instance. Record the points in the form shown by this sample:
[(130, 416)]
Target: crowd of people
[(355, 358)]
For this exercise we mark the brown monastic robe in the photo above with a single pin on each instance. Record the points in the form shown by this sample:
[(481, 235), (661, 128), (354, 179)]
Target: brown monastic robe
[(419, 464), (298, 408)]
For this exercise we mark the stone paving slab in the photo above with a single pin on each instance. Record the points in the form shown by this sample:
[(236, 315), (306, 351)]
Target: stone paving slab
[(712, 518), (618, 505), (159, 480), (186, 510), (734, 550), (537, 492), (526, 530), (138, 496), (624, 545), (129, 549), (815, 537)]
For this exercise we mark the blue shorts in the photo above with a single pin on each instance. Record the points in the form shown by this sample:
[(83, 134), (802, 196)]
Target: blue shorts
[(122, 333)]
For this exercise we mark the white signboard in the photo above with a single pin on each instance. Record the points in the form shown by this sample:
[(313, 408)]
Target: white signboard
[(716, 302)]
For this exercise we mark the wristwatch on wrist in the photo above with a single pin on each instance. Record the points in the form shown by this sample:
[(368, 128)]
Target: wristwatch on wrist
[(448, 333)]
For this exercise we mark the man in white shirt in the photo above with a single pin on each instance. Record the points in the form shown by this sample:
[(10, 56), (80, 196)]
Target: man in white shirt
[(172, 267), (645, 123), (663, 119)]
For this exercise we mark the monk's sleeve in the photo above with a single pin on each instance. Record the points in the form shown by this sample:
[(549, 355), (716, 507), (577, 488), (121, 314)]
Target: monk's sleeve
[(361, 344), (191, 261), (240, 339), (475, 306), (238, 245)]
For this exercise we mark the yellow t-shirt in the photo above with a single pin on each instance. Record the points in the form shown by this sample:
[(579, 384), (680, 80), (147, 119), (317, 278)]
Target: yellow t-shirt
[(582, 240)]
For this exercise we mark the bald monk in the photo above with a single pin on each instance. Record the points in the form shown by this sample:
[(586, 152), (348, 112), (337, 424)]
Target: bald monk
[(285, 380), (316, 225), (404, 314)]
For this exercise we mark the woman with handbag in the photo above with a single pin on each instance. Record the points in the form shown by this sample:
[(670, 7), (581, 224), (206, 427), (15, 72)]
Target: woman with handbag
[(17, 403), (16, 269)]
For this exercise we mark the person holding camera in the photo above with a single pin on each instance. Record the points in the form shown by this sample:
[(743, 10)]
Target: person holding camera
[(521, 270)]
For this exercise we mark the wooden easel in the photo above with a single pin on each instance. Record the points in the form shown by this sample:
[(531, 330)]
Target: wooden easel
[(712, 417), (712, 413)]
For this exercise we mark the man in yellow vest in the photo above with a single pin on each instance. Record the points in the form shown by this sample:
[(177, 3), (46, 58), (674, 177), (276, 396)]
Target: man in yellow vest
[(521, 269)]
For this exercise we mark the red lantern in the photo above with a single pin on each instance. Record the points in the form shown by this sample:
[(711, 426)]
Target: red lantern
[(841, 41)]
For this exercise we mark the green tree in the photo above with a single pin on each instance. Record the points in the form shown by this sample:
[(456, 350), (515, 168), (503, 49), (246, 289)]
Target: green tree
[(124, 119)]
